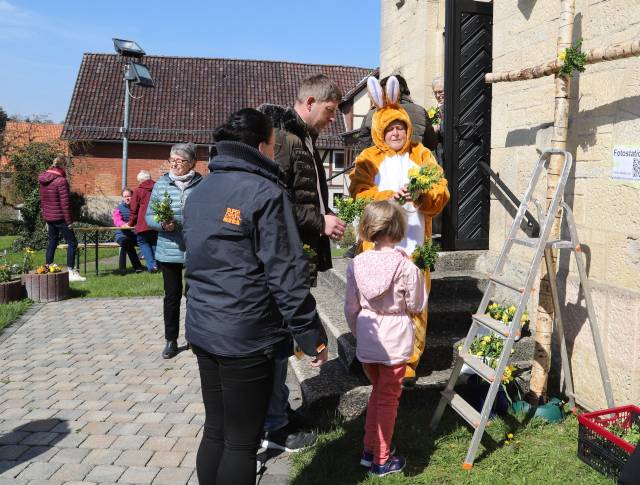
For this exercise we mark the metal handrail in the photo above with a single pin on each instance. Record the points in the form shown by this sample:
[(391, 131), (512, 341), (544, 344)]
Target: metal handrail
[(349, 168), (531, 221)]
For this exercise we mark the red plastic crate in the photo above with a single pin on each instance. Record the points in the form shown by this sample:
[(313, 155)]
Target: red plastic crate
[(599, 447)]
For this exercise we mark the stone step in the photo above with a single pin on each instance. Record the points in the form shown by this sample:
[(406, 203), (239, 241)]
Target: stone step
[(462, 285), (443, 332)]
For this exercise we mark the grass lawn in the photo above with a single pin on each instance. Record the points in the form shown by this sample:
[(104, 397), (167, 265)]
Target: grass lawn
[(9, 312), (60, 256), (110, 283), (538, 452)]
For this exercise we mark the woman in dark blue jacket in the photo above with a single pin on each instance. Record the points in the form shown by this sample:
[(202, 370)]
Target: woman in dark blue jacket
[(247, 293)]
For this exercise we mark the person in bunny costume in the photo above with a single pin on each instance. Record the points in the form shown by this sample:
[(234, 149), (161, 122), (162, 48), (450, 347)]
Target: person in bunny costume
[(382, 173)]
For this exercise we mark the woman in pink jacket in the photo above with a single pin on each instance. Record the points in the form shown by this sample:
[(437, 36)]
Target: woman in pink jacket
[(383, 289)]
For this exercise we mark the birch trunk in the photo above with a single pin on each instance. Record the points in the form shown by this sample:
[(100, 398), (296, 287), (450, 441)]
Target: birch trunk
[(544, 321), (609, 53)]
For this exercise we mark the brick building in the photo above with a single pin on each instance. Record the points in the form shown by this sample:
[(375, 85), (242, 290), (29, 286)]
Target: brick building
[(191, 97)]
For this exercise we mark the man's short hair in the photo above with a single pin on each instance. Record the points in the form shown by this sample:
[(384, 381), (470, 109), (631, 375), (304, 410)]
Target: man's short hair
[(320, 87), (437, 80)]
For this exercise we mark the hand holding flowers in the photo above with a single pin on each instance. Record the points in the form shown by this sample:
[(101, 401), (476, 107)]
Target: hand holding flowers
[(420, 181)]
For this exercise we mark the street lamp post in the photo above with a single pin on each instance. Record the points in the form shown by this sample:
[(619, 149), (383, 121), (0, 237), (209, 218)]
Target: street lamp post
[(134, 73)]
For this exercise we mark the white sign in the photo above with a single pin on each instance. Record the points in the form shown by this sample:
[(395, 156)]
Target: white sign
[(626, 163)]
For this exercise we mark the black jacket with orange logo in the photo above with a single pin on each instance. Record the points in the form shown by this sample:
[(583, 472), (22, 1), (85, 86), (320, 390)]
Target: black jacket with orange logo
[(245, 268)]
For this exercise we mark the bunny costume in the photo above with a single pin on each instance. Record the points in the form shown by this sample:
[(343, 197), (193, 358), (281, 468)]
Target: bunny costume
[(381, 171)]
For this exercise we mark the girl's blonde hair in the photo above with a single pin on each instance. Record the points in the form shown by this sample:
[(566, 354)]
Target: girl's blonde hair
[(383, 218)]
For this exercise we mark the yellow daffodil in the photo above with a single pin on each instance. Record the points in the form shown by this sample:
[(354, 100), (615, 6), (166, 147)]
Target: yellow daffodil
[(510, 436), (486, 339), (431, 112), (563, 55), (507, 442), (414, 172)]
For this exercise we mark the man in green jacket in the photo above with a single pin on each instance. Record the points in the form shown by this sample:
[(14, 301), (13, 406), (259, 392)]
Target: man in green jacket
[(297, 129)]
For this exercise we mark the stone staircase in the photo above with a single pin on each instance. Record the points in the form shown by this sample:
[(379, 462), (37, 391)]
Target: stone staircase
[(457, 285)]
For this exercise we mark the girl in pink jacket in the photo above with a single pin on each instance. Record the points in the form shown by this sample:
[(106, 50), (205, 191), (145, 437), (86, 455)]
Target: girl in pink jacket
[(383, 288)]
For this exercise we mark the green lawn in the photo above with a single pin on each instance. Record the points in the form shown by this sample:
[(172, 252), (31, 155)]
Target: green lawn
[(538, 453), (60, 256), (110, 283), (9, 312)]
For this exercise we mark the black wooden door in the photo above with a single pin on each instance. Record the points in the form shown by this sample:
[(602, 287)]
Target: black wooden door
[(467, 123)]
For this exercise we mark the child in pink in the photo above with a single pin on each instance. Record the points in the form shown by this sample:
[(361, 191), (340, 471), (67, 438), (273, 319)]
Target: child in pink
[(383, 288)]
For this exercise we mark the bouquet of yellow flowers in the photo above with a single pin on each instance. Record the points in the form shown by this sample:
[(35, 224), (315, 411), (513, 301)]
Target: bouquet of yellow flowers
[(350, 209), (421, 180), (434, 115), (162, 211)]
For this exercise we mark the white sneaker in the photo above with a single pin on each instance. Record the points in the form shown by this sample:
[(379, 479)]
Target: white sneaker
[(75, 276)]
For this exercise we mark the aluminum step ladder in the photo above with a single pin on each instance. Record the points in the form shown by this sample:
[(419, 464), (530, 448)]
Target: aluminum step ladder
[(481, 323)]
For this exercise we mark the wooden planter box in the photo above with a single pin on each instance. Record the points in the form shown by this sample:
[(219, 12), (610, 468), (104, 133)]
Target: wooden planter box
[(11, 291), (47, 287)]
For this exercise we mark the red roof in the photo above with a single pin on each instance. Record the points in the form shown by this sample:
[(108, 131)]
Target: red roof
[(21, 133), (191, 97)]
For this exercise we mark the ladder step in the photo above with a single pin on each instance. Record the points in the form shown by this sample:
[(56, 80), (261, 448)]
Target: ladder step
[(509, 284), (462, 407), (492, 324), (560, 244), (532, 242), (482, 369), (527, 241)]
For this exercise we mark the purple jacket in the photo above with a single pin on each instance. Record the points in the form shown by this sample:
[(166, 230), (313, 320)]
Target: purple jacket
[(54, 196)]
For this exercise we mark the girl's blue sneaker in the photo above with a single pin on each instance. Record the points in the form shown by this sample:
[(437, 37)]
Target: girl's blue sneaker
[(366, 460), (394, 464)]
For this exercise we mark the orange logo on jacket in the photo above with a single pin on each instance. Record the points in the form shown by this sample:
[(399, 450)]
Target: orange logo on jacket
[(232, 216)]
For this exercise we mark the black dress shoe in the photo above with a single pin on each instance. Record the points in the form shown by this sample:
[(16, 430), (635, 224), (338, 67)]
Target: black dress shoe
[(170, 350)]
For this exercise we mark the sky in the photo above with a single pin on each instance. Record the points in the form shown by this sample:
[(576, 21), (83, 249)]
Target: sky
[(42, 41)]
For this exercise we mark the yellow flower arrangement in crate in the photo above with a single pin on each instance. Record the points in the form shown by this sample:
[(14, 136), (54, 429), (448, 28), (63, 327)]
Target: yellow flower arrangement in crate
[(488, 348), (48, 268), (505, 313)]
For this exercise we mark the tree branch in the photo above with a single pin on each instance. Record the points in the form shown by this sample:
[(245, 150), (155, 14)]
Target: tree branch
[(610, 53)]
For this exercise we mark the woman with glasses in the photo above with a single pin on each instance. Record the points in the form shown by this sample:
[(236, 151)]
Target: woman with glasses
[(178, 184)]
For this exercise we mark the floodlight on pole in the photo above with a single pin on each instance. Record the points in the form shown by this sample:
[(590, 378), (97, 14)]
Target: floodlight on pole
[(128, 48), (134, 73)]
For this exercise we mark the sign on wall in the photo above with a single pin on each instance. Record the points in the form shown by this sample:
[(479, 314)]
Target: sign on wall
[(626, 163)]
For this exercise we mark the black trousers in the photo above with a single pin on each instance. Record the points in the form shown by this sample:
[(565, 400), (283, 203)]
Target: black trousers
[(236, 392), (172, 278), (128, 245)]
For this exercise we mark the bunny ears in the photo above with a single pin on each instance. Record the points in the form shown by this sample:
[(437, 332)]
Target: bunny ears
[(378, 95)]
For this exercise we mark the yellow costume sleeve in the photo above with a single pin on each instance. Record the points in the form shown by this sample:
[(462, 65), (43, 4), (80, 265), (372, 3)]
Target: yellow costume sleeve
[(362, 184), (432, 202)]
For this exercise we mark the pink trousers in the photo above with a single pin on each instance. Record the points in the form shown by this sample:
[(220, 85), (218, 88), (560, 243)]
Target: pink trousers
[(382, 408)]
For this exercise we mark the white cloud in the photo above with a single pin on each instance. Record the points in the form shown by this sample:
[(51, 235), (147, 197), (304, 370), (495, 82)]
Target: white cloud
[(20, 24)]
